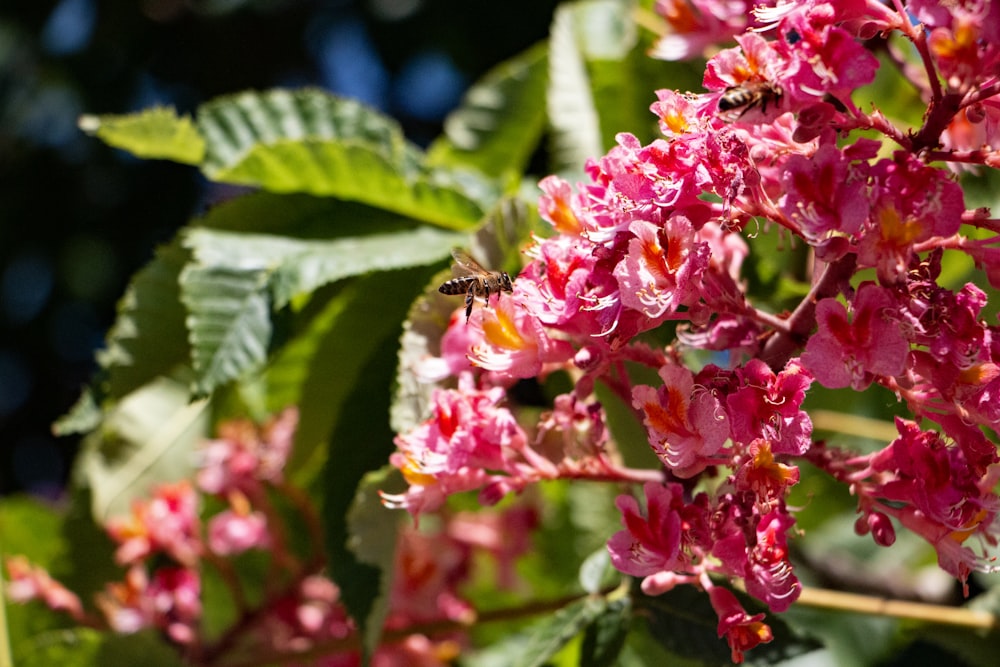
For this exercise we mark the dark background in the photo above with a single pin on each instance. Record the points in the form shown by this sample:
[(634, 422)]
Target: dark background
[(78, 218)]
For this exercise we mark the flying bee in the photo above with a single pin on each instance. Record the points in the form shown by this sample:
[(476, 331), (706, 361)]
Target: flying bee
[(473, 280), (748, 95)]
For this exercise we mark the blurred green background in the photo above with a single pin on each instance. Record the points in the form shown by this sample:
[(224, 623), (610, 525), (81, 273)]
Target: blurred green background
[(78, 218)]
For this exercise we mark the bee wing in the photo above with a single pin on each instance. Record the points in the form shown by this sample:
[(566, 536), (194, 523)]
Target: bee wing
[(464, 265)]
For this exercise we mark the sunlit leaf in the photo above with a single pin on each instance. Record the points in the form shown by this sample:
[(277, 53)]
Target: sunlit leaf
[(500, 120), (229, 322), (156, 133), (312, 142), (149, 437), (576, 131)]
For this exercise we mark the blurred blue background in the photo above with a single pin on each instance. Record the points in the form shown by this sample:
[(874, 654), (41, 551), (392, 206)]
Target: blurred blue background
[(78, 218)]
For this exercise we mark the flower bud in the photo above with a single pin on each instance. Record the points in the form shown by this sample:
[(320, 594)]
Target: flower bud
[(882, 530), (975, 113)]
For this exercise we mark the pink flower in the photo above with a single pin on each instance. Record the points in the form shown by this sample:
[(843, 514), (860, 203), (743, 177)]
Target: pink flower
[(911, 202), (505, 535), (741, 630), (696, 25), (572, 429), (175, 597), (305, 615), (686, 426), (171, 601), (766, 478), (843, 353), (557, 284), (126, 605), (662, 267), (232, 532), (513, 344), (768, 406), (467, 435), (27, 582), (769, 574), (825, 193), (245, 456), (428, 570), (558, 206), (652, 543), (166, 523)]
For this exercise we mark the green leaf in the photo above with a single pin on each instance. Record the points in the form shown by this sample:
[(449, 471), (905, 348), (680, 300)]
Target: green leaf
[(85, 415), (605, 637), (683, 621), (300, 266), (229, 322), (148, 438), (607, 35), (149, 337), (321, 367), (552, 634), (156, 133), (30, 528), (425, 324), (83, 647), (576, 132), (310, 141), (373, 530), (500, 120), (359, 445), (595, 571)]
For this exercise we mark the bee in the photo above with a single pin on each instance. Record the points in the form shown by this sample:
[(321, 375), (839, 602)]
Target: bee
[(473, 280), (749, 95)]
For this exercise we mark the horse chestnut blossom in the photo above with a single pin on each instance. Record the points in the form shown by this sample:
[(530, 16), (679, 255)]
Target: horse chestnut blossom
[(652, 247), (169, 551)]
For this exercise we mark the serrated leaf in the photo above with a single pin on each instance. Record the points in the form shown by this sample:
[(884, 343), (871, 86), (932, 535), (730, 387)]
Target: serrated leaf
[(157, 133), (500, 120), (576, 132), (553, 633), (310, 141), (148, 438), (229, 322), (605, 637), (326, 262), (149, 337), (85, 415)]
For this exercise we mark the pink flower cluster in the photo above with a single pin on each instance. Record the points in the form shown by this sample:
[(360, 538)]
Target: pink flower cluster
[(655, 241), (166, 549)]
